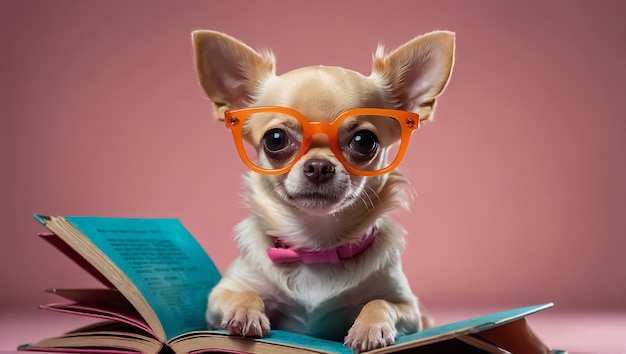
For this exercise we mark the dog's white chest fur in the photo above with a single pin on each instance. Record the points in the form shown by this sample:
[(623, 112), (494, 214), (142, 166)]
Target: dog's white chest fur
[(319, 299)]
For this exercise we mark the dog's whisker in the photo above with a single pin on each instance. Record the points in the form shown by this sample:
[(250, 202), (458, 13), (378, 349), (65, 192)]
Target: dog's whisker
[(365, 197), (365, 204), (368, 192), (369, 203), (373, 192)]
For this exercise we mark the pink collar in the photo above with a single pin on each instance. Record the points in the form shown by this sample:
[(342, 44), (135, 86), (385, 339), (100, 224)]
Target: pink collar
[(286, 254)]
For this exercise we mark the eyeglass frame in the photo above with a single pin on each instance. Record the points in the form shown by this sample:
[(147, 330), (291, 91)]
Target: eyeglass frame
[(234, 119)]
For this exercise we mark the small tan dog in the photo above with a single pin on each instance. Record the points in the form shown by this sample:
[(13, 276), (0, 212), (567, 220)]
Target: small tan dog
[(318, 255)]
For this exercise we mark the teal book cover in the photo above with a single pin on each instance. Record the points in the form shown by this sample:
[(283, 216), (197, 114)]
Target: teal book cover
[(164, 261)]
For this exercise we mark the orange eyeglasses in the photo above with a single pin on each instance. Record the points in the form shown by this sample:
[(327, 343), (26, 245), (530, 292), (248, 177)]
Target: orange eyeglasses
[(367, 141)]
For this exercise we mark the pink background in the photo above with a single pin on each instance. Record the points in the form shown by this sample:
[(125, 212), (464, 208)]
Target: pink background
[(520, 179)]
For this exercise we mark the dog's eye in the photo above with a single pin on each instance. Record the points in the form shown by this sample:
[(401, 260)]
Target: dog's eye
[(364, 142), (275, 140), (278, 146)]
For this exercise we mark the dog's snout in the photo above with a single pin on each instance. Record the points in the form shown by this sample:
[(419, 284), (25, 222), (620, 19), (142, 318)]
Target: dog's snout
[(318, 171)]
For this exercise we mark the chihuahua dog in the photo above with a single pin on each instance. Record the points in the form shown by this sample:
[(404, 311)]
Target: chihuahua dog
[(319, 255)]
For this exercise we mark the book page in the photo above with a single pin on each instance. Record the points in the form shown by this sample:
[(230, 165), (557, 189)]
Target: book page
[(278, 341), (461, 328), (107, 304), (116, 311), (105, 337), (163, 260)]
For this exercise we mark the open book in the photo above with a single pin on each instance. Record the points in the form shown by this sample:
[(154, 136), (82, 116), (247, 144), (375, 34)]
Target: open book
[(156, 279)]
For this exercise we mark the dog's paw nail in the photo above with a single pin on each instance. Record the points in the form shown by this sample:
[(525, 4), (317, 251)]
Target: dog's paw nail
[(247, 323), (365, 338)]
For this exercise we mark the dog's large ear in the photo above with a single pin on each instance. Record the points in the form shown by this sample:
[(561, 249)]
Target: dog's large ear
[(417, 72), (228, 70)]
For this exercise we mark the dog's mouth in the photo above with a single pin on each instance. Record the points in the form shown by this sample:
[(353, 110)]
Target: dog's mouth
[(315, 199), (318, 201)]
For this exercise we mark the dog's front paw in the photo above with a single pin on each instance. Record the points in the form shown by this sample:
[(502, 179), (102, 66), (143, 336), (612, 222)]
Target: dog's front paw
[(362, 338), (246, 322)]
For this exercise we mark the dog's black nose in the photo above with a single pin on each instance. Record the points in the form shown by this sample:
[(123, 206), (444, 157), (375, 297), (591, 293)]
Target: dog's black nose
[(318, 171)]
